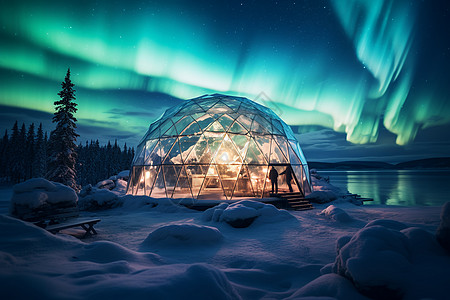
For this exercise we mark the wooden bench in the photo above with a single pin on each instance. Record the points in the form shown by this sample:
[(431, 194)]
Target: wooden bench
[(57, 219), (86, 224)]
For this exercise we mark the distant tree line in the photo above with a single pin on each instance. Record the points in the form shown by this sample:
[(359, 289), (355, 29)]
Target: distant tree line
[(97, 162), (24, 154)]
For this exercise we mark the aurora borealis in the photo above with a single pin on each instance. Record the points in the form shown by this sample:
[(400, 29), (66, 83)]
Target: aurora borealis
[(365, 78)]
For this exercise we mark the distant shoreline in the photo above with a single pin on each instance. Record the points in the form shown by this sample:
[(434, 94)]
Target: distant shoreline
[(439, 163)]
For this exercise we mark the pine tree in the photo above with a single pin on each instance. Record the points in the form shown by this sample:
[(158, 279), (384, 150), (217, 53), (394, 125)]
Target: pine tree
[(108, 162), (124, 158), (116, 153), (4, 145), (29, 152), (62, 156), (40, 158), (17, 153), (12, 151)]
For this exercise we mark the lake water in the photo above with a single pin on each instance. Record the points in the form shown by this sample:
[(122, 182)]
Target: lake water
[(395, 187)]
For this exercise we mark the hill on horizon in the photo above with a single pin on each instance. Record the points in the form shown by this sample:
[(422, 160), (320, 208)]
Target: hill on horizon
[(428, 163)]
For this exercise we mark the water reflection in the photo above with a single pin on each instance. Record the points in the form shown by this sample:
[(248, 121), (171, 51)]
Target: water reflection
[(395, 187)]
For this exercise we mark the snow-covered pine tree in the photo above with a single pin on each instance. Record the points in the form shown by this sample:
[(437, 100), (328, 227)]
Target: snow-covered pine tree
[(62, 143)]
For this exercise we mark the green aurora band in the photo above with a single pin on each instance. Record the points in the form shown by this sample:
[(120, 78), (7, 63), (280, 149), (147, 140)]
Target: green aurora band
[(174, 50)]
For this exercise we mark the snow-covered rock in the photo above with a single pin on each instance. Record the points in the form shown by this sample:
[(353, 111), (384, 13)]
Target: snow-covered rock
[(92, 198), (443, 232), (242, 213), (106, 184), (124, 175), (116, 183), (388, 259), (105, 194), (38, 194), (324, 191), (183, 234), (120, 188), (336, 213)]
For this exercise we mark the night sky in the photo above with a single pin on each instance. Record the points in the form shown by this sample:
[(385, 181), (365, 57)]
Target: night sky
[(356, 79)]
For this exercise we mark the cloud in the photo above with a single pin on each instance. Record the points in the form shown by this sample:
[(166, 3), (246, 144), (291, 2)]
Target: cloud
[(89, 132), (119, 113), (10, 114), (325, 145)]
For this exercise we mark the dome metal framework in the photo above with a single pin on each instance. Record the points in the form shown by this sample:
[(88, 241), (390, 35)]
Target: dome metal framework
[(217, 147)]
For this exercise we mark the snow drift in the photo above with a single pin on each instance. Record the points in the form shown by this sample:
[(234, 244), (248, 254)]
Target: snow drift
[(242, 213), (99, 270), (387, 259), (184, 234)]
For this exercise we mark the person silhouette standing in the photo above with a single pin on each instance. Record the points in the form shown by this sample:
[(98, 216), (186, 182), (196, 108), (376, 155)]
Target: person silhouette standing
[(288, 176), (273, 175)]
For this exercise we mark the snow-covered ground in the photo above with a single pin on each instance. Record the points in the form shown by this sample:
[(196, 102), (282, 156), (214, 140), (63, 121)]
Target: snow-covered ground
[(171, 252)]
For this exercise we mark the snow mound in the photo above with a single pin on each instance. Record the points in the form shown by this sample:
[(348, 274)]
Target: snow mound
[(242, 214), (184, 234), (443, 232), (336, 213), (40, 194), (387, 261), (92, 198), (329, 285)]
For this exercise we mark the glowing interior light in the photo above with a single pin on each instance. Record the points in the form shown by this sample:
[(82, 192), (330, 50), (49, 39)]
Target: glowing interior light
[(147, 175), (224, 157)]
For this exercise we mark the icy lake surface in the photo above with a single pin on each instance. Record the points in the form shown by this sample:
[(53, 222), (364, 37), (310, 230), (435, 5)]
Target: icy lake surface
[(395, 187)]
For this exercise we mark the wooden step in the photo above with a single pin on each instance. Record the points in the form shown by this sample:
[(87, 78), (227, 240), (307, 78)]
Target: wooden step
[(289, 194), (286, 194), (295, 201), (299, 204), (305, 207)]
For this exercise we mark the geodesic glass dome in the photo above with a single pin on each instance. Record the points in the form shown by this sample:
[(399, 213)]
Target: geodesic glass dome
[(217, 147)]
